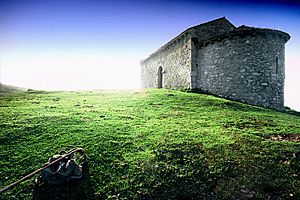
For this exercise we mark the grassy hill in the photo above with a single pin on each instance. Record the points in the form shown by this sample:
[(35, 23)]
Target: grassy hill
[(152, 144), (10, 89)]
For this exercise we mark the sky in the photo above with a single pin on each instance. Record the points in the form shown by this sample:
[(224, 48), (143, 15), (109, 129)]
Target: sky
[(94, 44)]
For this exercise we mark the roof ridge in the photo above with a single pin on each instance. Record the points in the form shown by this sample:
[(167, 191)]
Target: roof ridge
[(212, 21), (188, 30)]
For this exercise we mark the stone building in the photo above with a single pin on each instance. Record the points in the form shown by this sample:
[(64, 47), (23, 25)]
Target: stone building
[(239, 63)]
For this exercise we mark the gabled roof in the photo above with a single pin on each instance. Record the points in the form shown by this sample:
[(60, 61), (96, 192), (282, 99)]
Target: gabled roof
[(208, 29), (202, 31), (215, 30), (211, 29)]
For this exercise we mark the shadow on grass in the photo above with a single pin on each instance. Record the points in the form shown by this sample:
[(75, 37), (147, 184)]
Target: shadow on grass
[(81, 189), (237, 105), (232, 104), (291, 111), (261, 170), (191, 171), (178, 171)]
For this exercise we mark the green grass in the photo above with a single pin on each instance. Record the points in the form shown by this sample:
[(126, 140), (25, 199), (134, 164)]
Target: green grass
[(152, 144)]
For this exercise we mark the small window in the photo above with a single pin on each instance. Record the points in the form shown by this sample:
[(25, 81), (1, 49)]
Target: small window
[(276, 65)]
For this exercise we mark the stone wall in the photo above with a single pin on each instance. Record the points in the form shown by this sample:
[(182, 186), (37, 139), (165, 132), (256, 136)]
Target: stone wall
[(244, 64), (247, 67), (176, 64), (175, 56)]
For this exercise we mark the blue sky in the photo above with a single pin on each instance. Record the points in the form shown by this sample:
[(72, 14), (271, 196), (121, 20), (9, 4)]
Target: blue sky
[(89, 44)]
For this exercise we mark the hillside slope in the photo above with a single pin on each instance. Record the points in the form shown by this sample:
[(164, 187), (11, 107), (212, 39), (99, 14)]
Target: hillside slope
[(9, 89), (152, 144)]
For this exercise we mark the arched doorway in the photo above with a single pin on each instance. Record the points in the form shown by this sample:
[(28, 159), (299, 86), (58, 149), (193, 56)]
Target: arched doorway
[(159, 77)]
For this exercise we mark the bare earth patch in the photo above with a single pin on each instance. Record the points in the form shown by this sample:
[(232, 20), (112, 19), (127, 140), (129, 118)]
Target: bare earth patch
[(291, 137)]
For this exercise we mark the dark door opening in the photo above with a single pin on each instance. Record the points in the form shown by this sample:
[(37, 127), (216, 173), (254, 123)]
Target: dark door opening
[(159, 77)]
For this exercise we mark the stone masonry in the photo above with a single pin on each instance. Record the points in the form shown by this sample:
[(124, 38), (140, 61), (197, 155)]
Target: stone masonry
[(240, 63)]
